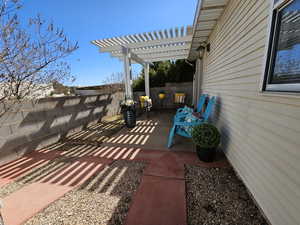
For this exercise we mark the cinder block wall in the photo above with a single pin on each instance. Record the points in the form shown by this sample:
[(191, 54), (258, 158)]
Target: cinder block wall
[(170, 89), (30, 125)]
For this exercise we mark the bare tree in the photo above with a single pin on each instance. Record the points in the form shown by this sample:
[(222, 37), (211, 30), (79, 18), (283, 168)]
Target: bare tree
[(31, 55), (114, 82), (114, 78)]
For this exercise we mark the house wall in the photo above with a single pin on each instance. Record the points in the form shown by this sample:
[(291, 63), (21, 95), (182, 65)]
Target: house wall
[(260, 132), (30, 125)]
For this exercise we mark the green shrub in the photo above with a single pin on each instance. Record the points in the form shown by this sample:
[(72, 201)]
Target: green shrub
[(164, 72), (139, 84), (206, 136)]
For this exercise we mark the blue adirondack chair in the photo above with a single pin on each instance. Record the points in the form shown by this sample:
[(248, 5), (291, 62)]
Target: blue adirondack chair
[(187, 110), (183, 124)]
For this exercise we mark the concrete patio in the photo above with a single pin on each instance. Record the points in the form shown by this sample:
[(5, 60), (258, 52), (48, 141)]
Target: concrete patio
[(151, 133), (46, 175)]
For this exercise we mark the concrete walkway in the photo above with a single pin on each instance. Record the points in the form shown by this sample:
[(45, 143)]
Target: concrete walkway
[(160, 198)]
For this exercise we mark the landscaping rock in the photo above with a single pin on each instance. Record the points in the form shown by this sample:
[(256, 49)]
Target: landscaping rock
[(103, 200), (215, 196)]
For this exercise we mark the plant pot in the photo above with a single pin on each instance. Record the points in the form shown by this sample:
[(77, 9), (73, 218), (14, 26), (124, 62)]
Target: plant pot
[(161, 96), (130, 117), (206, 154)]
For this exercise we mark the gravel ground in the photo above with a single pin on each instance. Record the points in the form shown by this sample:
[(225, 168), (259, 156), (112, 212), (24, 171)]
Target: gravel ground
[(103, 200), (216, 196)]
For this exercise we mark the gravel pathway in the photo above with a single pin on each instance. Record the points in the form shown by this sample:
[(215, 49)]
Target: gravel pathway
[(216, 196), (103, 200)]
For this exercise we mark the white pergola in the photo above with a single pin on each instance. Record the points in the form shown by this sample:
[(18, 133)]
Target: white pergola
[(145, 48)]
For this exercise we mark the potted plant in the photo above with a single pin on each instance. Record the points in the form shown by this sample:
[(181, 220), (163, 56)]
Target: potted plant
[(161, 95), (128, 108), (206, 137)]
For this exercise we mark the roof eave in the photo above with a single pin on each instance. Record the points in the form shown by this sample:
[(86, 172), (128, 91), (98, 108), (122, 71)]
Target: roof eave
[(207, 14)]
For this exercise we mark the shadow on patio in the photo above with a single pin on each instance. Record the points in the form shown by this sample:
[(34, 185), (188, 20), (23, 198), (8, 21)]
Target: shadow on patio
[(107, 140), (151, 134), (99, 163)]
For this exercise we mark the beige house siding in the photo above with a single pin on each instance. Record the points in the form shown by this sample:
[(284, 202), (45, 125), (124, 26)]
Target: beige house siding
[(260, 132)]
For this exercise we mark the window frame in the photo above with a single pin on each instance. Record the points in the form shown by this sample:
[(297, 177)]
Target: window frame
[(271, 50)]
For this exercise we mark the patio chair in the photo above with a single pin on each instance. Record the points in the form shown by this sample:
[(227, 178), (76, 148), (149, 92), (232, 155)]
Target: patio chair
[(186, 110), (183, 124)]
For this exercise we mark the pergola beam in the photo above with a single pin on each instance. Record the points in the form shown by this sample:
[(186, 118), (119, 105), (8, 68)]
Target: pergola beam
[(150, 46), (136, 58), (160, 58), (149, 51), (146, 44), (170, 55), (166, 58)]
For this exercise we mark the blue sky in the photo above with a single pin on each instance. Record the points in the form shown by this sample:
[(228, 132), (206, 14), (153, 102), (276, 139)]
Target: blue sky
[(87, 20)]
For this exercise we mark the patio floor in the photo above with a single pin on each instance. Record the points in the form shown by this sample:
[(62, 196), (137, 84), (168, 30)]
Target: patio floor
[(150, 134), (30, 184)]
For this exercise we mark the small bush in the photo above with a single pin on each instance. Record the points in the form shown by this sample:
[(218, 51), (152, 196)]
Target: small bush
[(206, 136)]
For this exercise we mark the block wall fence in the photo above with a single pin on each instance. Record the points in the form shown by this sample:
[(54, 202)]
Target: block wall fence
[(30, 125)]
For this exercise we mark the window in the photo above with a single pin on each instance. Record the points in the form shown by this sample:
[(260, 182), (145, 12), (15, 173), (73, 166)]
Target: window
[(283, 61)]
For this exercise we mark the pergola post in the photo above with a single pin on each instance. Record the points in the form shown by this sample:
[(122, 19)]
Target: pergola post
[(147, 82), (127, 74)]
